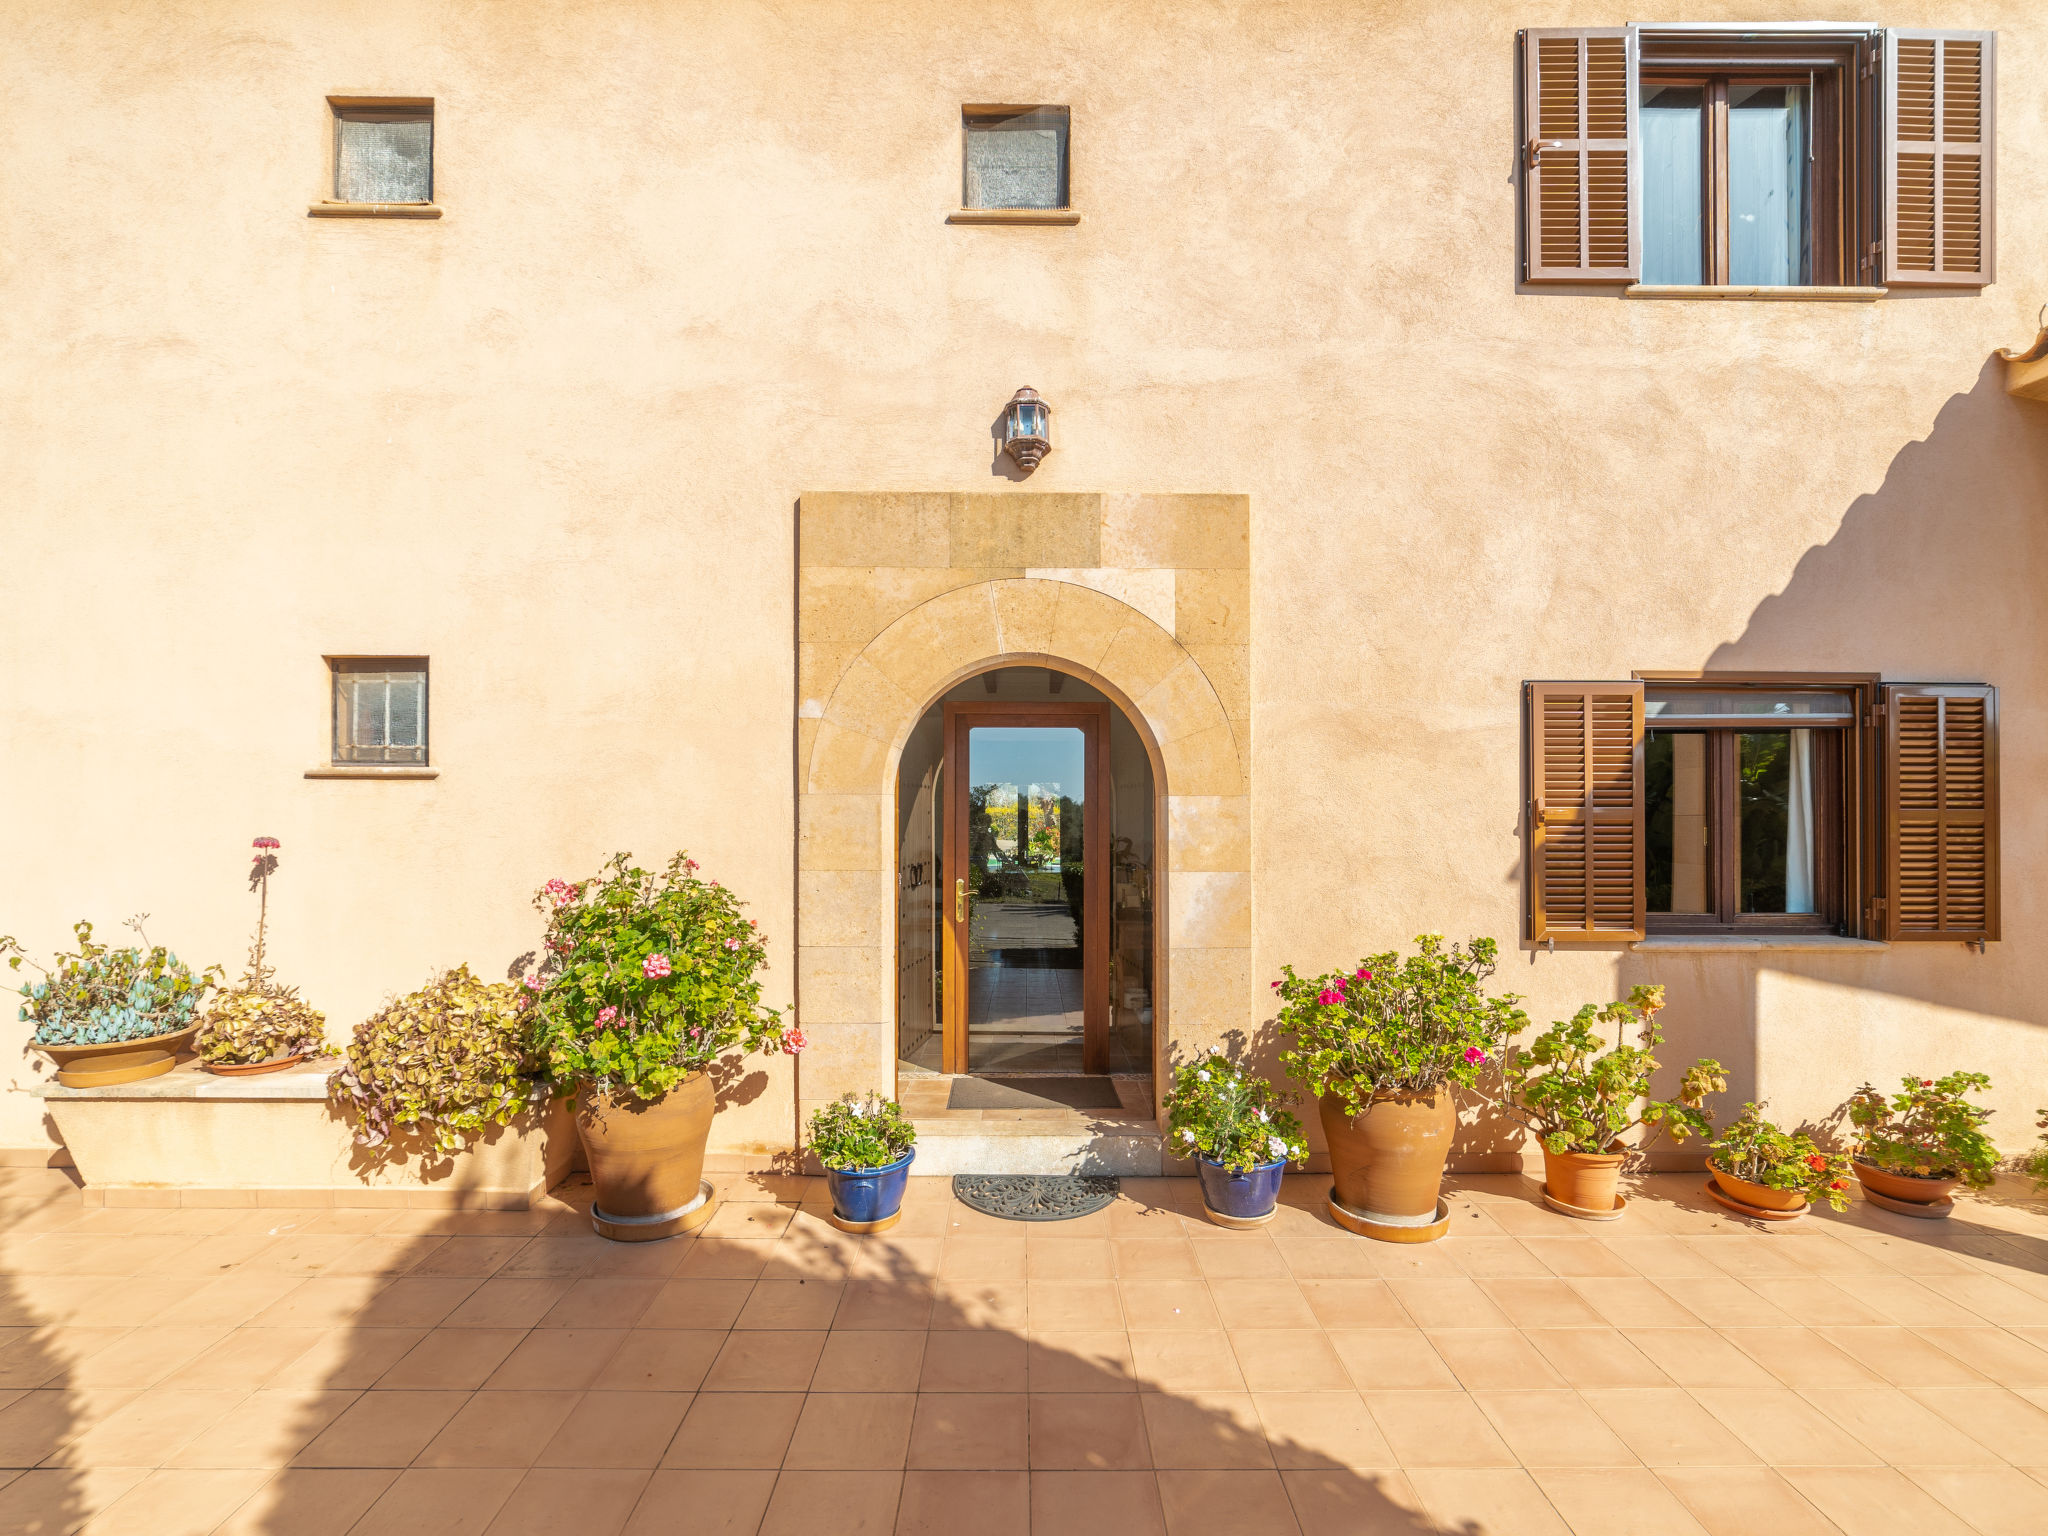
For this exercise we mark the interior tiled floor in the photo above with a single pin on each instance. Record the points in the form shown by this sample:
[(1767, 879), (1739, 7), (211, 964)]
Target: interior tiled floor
[(316, 1372)]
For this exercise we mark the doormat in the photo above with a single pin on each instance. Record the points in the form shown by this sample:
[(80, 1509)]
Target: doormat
[(1033, 1093), (1035, 1197)]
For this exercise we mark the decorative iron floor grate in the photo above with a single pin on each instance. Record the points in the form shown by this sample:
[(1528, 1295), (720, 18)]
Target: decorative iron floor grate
[(1034, 1196)]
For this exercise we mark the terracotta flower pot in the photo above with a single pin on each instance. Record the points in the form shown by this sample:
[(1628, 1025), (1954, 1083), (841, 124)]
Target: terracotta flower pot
[(251, 1068), (1584, 1180), (1902, 1186), (119, 1061), (647, 1155), (1388, 1160), (1762, 1196)]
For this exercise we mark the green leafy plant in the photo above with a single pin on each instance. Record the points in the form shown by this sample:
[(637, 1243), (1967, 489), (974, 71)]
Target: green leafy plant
[(260, 1020), (1928, 1130), (856, 1132), (1218, 1111), (2034, 1164), (1578, 1094), (1753, 1149), (98, 995), (447, 1061), (647, 979), (1394, 1025)]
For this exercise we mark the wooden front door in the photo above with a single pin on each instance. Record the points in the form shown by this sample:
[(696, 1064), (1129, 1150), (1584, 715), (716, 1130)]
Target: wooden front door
[(1026, 943)]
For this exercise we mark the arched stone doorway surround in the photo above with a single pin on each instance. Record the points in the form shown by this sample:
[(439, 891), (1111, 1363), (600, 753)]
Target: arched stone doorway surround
[(900, 596)]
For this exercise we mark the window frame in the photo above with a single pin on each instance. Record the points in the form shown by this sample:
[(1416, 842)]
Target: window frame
[(985, 117), (384, 109), (341, 705), (1849, 817)]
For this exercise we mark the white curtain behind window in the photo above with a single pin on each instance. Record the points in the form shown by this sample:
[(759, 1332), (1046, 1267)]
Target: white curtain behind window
[(1799, 826)]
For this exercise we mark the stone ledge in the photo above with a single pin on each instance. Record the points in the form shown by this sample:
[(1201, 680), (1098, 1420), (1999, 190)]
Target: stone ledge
[(1822, 942), (307, 1080)]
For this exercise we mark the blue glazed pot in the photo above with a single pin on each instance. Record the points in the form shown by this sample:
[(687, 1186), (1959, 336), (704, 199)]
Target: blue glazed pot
[(869, 1194), (1242, 1196)]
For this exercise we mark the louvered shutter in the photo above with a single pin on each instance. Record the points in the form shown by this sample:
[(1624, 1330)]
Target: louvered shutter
[(1937, 161), (1941, 813), (1586, 812), (1579, 160)]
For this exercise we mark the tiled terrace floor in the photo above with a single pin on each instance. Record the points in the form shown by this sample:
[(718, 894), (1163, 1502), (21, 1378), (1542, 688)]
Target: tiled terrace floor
[(317, 1372)]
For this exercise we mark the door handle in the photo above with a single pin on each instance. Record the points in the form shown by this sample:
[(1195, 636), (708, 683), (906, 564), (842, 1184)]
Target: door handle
[(959, 901)]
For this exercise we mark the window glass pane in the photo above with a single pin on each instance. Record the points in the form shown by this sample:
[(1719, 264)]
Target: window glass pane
[(1675, 814), (378, 160), (1661, 702), (1672, 122), (369, 710), (1017, 161), (1774, 808), (1768, 239), (403, 728)]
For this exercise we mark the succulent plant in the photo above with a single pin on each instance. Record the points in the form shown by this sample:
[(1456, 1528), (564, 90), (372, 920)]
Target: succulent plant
[(448, 1060), (259, 1020), (97, 995)]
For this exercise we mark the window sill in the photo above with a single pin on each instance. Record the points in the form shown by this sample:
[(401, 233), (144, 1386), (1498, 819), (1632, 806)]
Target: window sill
[(1781, 295), (373, 771), (1013, 216), (1675, 943), (334, 210)]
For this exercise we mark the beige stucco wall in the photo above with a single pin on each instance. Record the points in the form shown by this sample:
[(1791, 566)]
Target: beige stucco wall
[(694, 264)]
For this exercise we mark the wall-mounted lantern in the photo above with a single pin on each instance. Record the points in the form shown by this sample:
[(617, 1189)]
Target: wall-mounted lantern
[(1027, 429)]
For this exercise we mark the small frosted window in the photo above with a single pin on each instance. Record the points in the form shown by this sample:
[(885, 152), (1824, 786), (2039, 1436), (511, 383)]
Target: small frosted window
[(380, 711), (1017, 159), (384, 154)]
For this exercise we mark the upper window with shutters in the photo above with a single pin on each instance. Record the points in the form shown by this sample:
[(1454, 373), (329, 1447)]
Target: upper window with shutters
[(1755, 806), (1747, 156)]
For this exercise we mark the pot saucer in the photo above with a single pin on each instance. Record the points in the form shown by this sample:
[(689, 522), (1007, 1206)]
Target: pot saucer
[(857, 1227), (1241, 1223), (649, 1229), (1582, 1213), (1387, 1232), (1927, 1210), (1754, 1212)]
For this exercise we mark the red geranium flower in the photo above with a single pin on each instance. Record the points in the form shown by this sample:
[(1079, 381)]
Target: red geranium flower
[(266, 842)]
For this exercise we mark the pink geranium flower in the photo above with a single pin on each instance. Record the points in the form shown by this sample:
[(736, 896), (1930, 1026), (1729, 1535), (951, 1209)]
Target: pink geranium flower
[(1473, 1053), (654, 967), (606, 1015), (1329, 999), (266, 842), (793, 1040)]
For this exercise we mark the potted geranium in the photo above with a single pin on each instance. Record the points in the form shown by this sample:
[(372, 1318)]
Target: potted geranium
[(1383, 1047), (1921, 1143), (648, 981), (2034, 1165), (867, 1148), (108, 1016), (1229, 1121), (1582, 1096), (1773, 1174), (259, 1026)]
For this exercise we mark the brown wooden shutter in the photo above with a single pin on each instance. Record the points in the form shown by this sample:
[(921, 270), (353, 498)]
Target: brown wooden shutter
[(1579, 159), (1937, 158), (1586, 812), (1941, 812)]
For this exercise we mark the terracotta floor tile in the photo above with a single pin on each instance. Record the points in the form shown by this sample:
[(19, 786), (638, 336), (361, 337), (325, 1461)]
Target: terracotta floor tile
[(1666, 1427), (499, 1429), (477, 1257), (791, 1304), (1254, 1258), (1723, 1302), (1157, 1305), (719, 1258), (1902, 1357), (616, 1430), (1745, 1501), (265, 1430), (1070, 1258), (1545, 1303), (1168, 1258), (1319, 1260), (1498, 1258), (178, 1503), (1185, 1362), (144, 1357), (1632, 1303), (234, 1299), (735, 1431), (852, 1431), (438, 1502), (1698, 1357), (304, 1501), (549, 1501), (382, 1429), (885, 1304), (1448, 1304), (1783, 1428), (660, 1360), (702, 1503), (1288, 1360), (1334, 1502), (1261, 1304), (1413, 1261), (2006, 1422), (1212, 1503), (1080, 1362), (1577, 1257), (870, 1360), (988, 1503), (148, 1431), (1354, 1303), (1212, 1430), (1874, 1501), (973, 1362), (1997, 1501), (1906, 1302), (748, 1219), (1096, 1504), (970, 1431), (1596, 1357), (1321, 1429), (1901, 1430), (1087, 1431), (1992, 1299), (506, 1301), (603, 1302), (1800, 1358), (557, 1360), (1495, 1502), (415, 1303), (1817, 1302), (245, 1360), (2007, 1360), (1654, 1256), (966, 1305), (697, 1304), (764, 1361), (347, 1357), (1492, 1359), (1616, 1501), (452, 1359), (1553, 1428), (320, 1303), (845, 1503), (1389, 1359), (1437, 1429), (1074, 1306), (58, 1501)]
